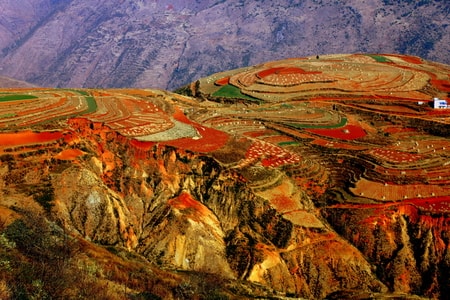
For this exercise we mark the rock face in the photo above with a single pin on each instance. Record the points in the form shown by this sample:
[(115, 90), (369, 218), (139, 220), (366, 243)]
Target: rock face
[(269, 182), (167, 44)]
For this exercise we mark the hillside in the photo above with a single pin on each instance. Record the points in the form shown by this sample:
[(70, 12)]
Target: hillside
[(167, 44), (315, 177), (6, 82)]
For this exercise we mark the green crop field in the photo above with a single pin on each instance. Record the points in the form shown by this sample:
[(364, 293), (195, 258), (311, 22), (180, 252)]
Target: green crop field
[(379, 58), (342, 123), (230, 91), (16, 97)]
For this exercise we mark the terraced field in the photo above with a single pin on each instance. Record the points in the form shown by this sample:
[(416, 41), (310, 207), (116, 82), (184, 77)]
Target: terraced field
[(375, 108), (313, 137), (296, 114)]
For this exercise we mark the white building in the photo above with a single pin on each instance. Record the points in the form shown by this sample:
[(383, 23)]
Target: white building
[(439, 103)]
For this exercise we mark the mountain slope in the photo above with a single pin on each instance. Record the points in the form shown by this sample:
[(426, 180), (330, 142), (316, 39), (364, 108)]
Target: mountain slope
[(305, 178), (6, 82), (167, 44)]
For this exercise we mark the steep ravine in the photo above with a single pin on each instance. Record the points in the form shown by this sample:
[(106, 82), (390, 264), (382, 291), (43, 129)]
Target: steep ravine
[(409, 247), (185, 211)]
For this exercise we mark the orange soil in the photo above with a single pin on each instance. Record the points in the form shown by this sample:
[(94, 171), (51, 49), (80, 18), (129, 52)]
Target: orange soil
[(283, 71), (69, 154), (223, 81), (283, 203), (394, 192), (211, 139), (275, 139), (28, 137), (185, 201), (143, 146)]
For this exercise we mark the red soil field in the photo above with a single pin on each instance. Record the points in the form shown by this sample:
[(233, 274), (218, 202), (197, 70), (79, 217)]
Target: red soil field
[(432, 204), (443, 85), (348, 132), (28, 137), (180, 116), (222, 81), (436, 204), (282, 71), (439, 112), (211, 140)]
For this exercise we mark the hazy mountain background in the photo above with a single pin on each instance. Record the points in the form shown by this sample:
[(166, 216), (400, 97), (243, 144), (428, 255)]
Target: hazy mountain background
[(166, 44)]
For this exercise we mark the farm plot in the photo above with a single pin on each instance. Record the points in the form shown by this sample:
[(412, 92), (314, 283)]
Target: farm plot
[(337, 145), (41, 106), (371, 76), (394, 192), (398, 109), (269, 155), (395, 156), (28, 138), (131, 117), (347, 132)]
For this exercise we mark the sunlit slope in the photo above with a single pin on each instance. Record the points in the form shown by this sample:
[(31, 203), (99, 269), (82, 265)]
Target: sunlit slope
[(312, 177)]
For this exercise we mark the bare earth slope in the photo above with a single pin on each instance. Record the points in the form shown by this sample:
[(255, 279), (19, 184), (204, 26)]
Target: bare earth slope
[(305, 178), (166, 44)]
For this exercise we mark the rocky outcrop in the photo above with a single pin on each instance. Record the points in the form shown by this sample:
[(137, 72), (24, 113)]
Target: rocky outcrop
[(409, 247), (184, 211)]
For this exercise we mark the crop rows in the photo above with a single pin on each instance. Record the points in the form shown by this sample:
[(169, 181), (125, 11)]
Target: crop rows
[(350, 122)]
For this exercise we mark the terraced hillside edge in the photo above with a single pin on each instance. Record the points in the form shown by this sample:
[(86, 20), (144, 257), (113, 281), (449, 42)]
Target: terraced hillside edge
[(167, 44), (316, 177)]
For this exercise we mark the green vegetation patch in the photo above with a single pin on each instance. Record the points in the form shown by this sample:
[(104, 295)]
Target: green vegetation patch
[(380, 58), (230, 91), (342, 123), (8, 115), (90, 100), (15, 97), (285, 105), (288, 143)]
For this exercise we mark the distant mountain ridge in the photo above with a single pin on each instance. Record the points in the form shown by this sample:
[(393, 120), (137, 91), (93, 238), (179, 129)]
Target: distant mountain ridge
[(166, 44), (6, 82)]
